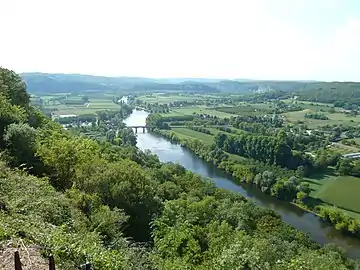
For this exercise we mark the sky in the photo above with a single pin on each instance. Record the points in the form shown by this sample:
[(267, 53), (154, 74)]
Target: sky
[(254, 39)]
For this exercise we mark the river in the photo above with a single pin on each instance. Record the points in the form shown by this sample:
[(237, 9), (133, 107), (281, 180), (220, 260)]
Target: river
[(319, 230)]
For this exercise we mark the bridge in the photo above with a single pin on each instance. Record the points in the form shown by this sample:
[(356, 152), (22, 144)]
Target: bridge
[(144, 128)]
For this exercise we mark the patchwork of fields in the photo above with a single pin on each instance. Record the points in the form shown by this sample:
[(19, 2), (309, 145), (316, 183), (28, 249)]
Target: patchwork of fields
[(64, 104)]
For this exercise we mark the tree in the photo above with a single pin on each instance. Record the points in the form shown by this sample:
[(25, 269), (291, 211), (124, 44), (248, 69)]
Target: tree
[(301, 171), (301, 196), (345, 166), (13, 88), (20, 141), (63, 155), (127, 137), (9, 114), (85, 99), (356, 168), (155, 120)]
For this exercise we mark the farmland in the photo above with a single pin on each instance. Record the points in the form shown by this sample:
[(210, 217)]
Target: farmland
[(334, 118), (340, 191), (245, 109), (69, 104), (162, 98), (343, 192), (188, 133), (197, 110)]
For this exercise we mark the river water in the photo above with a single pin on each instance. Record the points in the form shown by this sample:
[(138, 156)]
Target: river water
[(319, 230)]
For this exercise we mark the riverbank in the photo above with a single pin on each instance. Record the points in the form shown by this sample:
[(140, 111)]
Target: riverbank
[(337, 218)]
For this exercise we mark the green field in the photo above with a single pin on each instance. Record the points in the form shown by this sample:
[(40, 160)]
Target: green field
[(169, 98), (314, 106), (246, 110), (215, 131), (334, 118), (81, 109), (340, 191), (75, 105), (357, 140), (197, 110), (344, 149), (204, 110), (192, 134), (343, 192), (185, 133), (223, 112)]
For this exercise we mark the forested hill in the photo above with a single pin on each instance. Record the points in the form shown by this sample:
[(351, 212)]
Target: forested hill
[(331, 92)]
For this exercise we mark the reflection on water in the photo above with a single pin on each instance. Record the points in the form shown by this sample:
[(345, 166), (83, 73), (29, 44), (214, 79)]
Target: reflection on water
[(319, 230)]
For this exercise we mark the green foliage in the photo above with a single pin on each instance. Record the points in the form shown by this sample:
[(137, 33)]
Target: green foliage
[(63, 154), (13, 88), (120, 208), (9, 114), (155, 120), (345, 166), (316, 116), (267, 149), (20, 141)]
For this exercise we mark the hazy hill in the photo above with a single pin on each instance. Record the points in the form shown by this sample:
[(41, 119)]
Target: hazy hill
[(52, 83), (42, 83)]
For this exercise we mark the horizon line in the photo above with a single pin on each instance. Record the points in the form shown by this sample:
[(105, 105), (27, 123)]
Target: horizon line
[(185, 78)]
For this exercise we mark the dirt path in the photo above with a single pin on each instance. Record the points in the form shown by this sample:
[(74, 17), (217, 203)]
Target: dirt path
[(30, 257)]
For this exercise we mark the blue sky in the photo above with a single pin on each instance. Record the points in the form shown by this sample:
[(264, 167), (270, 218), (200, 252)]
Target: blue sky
[(256, 39)]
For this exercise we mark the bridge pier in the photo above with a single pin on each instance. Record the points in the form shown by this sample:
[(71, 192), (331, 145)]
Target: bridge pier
[(144, 128)]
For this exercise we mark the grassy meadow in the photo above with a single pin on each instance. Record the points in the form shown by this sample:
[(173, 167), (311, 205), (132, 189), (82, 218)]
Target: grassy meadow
[(192, 134), (334, 118), (340, 191)]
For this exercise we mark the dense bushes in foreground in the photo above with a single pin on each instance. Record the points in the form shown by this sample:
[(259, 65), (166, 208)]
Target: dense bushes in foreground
[(120, 208)]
